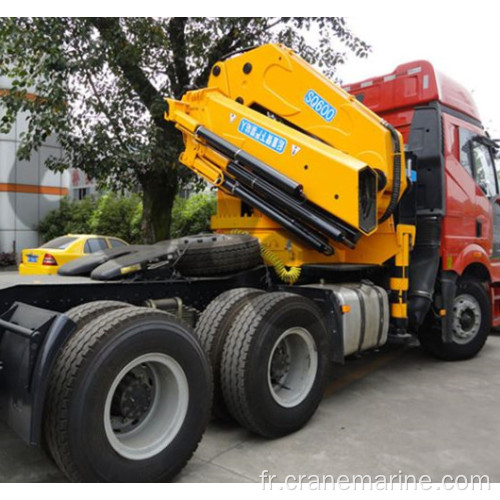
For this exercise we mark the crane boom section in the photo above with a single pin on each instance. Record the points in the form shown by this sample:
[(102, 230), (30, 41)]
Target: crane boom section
[(328, 177), (274, 79)]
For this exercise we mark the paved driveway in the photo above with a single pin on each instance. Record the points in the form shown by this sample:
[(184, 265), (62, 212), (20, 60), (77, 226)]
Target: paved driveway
[(388, 412)]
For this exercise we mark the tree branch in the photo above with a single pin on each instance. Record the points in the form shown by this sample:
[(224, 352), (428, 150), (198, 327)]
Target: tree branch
[(177, 37), (228, 43), (100, 103), (124, 57)]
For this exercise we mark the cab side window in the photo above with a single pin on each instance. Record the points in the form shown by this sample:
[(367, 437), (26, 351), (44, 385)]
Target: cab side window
[(466, 137), (476, 157), (484, 168)]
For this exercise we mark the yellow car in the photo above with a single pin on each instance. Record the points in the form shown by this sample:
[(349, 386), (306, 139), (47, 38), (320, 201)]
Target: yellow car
[(49, 257)]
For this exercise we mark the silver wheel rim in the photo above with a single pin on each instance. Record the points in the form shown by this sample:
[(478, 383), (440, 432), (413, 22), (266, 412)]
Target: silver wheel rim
[(164, 396), (466, 318), (292, 367)]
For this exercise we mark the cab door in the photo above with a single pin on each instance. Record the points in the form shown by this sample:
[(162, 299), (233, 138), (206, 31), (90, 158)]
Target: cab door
[(487, 196)]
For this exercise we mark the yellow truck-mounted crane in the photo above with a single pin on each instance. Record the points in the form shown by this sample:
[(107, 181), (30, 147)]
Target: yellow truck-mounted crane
[(299, 163), (118, 363)]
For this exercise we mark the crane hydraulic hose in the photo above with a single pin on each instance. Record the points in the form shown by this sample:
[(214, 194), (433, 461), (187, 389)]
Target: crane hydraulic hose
[(396, 182)]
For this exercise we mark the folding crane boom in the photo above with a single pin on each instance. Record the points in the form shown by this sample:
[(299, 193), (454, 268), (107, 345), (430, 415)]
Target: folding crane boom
[(276, 81), (296, 149)]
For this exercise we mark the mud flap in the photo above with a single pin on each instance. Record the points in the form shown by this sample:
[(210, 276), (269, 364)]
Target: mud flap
[(30, 339), (448, 291)]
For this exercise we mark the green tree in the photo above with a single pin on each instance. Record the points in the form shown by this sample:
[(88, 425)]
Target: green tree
[(111, 215), (101, 84), (118, 216), (192, 215), (70, 217)]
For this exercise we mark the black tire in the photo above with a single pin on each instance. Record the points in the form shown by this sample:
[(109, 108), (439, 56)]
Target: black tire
[(212, 329), (81, 388), (214, 254), (473, 340), (85, 313), (253, 346)]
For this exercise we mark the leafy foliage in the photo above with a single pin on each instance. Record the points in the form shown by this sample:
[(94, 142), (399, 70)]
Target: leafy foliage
[(118, 216), (111, 215), (71, 217), (99, 83), (192, 215)]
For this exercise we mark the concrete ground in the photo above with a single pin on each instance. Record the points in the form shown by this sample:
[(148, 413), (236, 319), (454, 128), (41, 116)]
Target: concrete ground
[(388, 412), (8, 269)]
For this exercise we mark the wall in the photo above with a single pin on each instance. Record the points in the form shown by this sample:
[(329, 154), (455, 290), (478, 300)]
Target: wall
[(28, 190)]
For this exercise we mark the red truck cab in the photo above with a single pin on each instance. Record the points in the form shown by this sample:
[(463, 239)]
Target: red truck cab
[(456, 177)]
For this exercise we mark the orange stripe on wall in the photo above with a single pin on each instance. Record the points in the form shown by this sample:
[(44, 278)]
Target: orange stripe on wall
[(33, 189)]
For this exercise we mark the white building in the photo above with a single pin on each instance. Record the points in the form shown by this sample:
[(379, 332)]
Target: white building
[(81, 185), (28, 190)]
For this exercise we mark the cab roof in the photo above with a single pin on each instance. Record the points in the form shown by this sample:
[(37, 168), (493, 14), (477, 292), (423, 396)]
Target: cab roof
[(413, 84)]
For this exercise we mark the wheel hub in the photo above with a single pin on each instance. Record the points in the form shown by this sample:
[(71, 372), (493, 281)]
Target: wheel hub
[(292, 367), (146, 406), (466, 318), (280, 363), (133, 398)]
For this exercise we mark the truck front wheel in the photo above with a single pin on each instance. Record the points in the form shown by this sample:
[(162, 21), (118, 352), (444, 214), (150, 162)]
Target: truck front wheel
[(471, 324), (129, 399)]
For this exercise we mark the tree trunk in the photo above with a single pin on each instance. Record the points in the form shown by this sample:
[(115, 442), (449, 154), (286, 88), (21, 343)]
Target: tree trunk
[(159, 189)]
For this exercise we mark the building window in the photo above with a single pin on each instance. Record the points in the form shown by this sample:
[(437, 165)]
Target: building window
[(81, 193)]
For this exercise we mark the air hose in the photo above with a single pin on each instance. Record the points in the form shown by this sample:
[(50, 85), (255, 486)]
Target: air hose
[(286, 274)]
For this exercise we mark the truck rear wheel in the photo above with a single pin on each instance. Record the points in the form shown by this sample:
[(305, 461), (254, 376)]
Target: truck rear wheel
[(212, 329), (275, 364), (471, 325), (84, 313), (129, 398)]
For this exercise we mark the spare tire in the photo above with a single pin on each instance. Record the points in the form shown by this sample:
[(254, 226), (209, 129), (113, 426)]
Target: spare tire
[(214, 254)]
